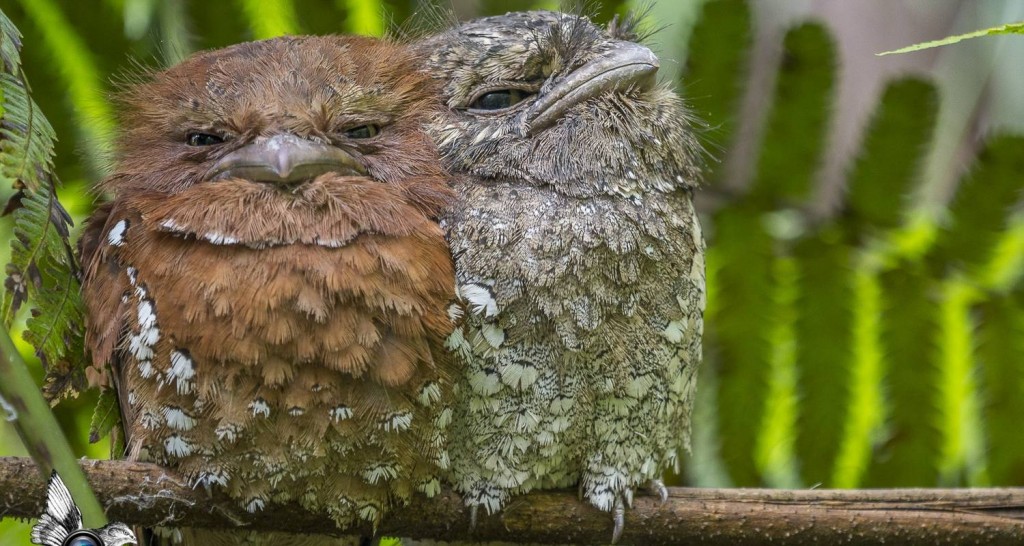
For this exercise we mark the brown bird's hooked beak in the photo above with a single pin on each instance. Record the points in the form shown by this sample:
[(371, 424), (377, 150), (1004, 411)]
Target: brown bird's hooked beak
[(285, 160), (628, 64)]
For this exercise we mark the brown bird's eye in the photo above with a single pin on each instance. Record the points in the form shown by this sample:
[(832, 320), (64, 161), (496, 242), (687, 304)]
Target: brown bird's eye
[(499, 100), (363, 131), (203, 139)]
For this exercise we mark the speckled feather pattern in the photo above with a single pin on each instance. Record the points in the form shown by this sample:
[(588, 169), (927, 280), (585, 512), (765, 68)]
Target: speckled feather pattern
[(580, 265), (284, 344)]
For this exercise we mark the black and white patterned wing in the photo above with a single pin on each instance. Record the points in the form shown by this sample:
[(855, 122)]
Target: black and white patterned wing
[(61, 518)]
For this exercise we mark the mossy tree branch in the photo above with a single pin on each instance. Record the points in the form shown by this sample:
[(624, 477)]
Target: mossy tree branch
[(146, 494)]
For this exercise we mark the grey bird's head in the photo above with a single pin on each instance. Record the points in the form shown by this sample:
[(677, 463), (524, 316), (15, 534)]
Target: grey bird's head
[(552, 99)]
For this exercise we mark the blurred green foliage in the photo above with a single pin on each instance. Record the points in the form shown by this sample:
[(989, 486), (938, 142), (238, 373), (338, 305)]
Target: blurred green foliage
[(879, 346)]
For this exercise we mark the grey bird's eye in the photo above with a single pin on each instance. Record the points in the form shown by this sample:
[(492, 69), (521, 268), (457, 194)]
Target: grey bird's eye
[(82, 538), (363, 131), (203, 139), (499, 100)]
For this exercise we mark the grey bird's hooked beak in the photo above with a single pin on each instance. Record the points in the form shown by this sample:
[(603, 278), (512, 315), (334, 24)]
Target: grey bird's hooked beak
[(628, 64), (285, 160)]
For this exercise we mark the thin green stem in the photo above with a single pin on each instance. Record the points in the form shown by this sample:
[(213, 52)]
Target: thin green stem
[(40, 431)]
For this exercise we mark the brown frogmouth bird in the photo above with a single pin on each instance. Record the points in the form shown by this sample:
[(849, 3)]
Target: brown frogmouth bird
[(578, 254), (269, 283)]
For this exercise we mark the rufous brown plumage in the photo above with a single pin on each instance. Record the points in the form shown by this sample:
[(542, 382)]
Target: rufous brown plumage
[(269, 283)]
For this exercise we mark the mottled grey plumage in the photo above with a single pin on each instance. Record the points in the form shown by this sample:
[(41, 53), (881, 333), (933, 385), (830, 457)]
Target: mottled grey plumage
[(579, 258)]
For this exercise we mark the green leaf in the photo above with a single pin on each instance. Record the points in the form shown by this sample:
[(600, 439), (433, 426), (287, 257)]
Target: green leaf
[(999, 349), (962, 454), (823, 329), (741, 254), (43, 271), (907, 454), (794, 138), (105, 416), (982, 207), (883, 177), (865, 407), (1011, 28), (774, 453), (26, 138), (1005, 265), (712, 82)]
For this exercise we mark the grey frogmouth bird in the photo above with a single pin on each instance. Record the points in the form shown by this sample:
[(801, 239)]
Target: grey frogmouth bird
[(579, 258)]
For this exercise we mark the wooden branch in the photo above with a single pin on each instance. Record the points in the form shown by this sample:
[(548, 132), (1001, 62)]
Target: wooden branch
[(146, 494)]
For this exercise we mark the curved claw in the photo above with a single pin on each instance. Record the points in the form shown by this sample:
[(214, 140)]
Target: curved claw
[(619, 517), (657, 487)]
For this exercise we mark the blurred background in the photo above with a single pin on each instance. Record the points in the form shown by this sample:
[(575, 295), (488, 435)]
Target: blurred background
[(866, 237)]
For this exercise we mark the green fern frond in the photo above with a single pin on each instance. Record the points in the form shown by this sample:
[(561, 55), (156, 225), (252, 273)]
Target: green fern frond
[(712, 83), (741, 254), (26, 138), (824, 320), (961, 458), (882, 182), (982, 206), (885, 172), (1005, 265), (866, 407), (774, 451), (42, 269), (42, 274), (906, 449), (795, 134), (1000, 344)]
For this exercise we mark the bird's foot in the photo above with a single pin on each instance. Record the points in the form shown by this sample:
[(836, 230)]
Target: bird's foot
[(611, 493), (657, 488), (490, 497), (619, 518)]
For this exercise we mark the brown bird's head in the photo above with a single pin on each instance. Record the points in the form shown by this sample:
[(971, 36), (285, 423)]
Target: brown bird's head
[(252, 143), (553, 99)]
